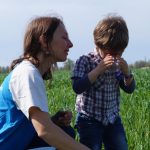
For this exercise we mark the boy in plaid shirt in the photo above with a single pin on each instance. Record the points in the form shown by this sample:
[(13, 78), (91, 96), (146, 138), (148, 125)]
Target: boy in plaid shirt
[(97, 79)]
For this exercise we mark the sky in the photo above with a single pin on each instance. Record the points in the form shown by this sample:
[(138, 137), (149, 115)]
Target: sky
[(80, 18)]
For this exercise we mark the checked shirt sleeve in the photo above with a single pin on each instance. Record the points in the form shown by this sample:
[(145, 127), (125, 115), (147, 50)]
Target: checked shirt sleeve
[(128, 89), (80, 78)]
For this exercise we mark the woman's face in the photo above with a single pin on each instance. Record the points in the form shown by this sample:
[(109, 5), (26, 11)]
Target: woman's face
[(60, 44)]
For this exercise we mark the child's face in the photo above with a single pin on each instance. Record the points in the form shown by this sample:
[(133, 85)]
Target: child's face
[(114, 54)]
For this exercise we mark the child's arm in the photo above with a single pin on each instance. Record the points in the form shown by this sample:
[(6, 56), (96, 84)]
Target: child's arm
[(80, 85), (127, 84), (84, 83)]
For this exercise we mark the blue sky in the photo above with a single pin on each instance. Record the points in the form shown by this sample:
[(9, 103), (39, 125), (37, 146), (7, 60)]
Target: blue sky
[(80, 18)]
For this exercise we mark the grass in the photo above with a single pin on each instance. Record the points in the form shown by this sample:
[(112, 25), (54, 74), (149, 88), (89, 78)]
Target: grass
[(135, 108)]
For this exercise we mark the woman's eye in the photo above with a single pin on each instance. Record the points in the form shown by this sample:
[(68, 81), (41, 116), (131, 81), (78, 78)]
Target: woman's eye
[(64, 37)]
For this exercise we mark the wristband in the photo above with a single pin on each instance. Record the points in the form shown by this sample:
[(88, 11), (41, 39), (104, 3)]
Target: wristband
[(130, 75)]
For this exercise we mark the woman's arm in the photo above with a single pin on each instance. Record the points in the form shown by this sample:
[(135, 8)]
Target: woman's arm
[(51, 133)]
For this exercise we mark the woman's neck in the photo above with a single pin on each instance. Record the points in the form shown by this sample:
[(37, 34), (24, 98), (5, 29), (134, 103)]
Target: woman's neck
[(45, 63)]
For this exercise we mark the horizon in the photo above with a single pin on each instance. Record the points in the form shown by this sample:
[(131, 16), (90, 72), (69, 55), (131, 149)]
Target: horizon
[(80, 21)]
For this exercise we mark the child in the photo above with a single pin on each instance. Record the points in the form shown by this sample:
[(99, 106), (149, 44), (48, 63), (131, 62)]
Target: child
[(97, 79)]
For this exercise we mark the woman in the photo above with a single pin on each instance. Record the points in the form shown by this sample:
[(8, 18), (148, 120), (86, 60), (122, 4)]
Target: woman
[(23, 101)]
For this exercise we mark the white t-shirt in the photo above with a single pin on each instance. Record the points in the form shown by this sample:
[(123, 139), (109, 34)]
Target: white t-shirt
[(28, 88)]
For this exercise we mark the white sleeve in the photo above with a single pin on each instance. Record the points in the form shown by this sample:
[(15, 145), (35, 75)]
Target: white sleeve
[(28, 90)]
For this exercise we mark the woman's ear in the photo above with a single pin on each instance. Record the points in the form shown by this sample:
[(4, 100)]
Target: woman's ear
[(42, 40), (44, 45)]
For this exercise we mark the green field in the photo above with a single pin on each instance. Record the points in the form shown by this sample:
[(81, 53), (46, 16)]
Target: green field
[(135, 108)]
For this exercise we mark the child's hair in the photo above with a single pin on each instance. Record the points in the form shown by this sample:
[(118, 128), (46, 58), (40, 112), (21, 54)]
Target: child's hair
[(111, 34)]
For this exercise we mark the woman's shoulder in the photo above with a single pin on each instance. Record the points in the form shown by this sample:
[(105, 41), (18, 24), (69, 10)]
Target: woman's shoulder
[(25, 69)]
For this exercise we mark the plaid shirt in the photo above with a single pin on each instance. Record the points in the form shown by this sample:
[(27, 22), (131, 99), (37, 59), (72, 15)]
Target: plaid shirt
[(101, 101)]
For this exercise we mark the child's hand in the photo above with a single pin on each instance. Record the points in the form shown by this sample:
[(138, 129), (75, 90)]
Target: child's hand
[(107, 62), (62, 118), (123, 66)]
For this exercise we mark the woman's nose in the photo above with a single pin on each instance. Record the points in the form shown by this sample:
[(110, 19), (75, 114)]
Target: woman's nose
[(70, 44)]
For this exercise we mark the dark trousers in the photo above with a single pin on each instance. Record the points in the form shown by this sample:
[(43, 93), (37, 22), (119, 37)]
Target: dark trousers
[(93, 133), (38, 142)]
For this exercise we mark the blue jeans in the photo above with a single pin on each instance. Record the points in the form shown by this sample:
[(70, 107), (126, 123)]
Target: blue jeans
[(93, 133), (38, 142)]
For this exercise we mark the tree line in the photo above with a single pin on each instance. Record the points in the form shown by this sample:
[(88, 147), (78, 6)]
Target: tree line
[(69, 64)]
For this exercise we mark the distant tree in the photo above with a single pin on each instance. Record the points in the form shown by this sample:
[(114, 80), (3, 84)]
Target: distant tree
[(54, 67), (68, 64), (4, 69), (142, 63)]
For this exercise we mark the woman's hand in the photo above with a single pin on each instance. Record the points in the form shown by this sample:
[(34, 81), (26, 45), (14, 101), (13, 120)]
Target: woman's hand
[(62, 118), (51, 133)]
